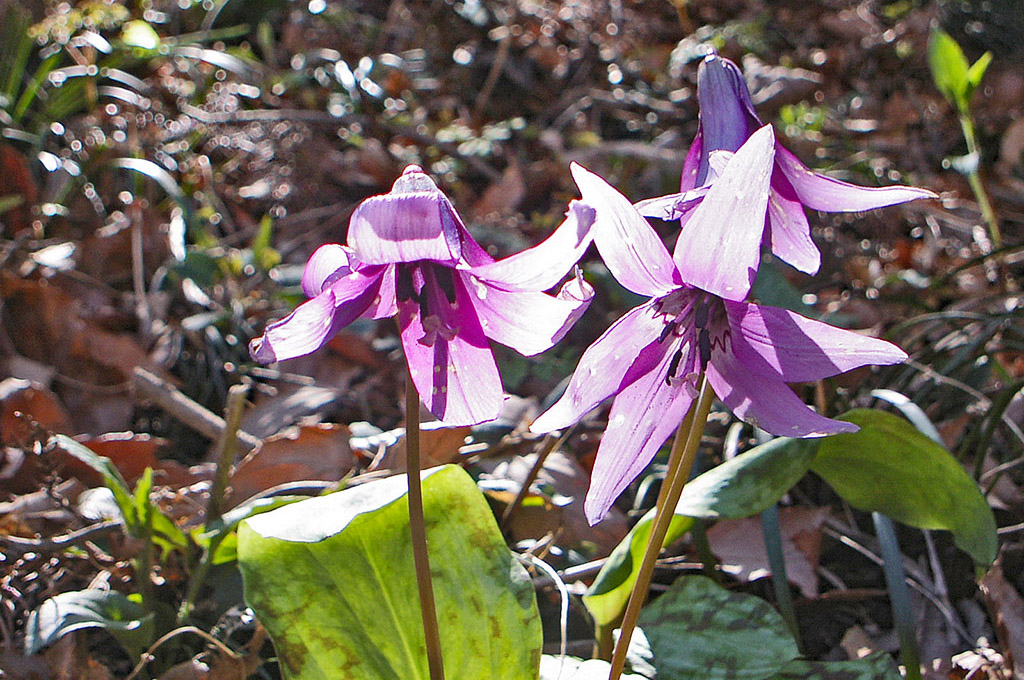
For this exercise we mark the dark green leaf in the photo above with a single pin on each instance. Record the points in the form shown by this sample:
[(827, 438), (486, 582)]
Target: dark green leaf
[(110, 610), (878, 666), (700, 630)]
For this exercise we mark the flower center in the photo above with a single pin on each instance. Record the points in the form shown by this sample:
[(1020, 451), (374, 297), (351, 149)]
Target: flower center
[(432, 288), (698, 320)]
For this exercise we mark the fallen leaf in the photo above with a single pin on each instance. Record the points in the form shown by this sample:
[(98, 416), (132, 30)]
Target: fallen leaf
[(306, 452), (739, 544), (1007, 611)]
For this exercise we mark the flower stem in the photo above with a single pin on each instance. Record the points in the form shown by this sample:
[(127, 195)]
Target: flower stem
[(974, 179), (680, 462), (417, 527)]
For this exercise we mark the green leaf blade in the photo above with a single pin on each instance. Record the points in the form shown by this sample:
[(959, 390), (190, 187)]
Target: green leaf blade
[(698, 629), (740, 487), (949, 68), (892, 468), (110, 610)]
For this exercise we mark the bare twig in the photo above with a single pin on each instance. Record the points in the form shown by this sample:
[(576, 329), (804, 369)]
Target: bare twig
[(58, 543), (168, 397)]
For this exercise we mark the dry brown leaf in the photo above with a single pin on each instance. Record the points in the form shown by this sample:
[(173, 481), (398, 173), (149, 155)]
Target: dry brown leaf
[(438, 445), (306, 452), (504, 196), (35, 401), (739, 544), (1007, 610)]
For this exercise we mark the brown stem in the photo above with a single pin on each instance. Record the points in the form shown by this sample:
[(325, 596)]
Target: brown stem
[(417, 526)]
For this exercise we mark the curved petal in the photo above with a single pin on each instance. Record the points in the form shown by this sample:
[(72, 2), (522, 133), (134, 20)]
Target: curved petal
[(727, 115), (385, 305), (325, 261), (672, 206), (542, 266), (688, 179), (528, 322), (642, 417), (629, 246), (767, 402), (777, 342), (790, 233), (404, 227), (603, 368), (457, 378), (720, 247), (315, 321), (819, 192)]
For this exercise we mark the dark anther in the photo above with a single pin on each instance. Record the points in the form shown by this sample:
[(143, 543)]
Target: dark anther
[(704, 346), (404, 289), (700, 317), (424, 307), (444, 277), (665, 332), (673, 366)]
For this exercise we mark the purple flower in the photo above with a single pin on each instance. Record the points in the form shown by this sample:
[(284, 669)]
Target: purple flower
[(410, 254), (650, 358), (727, 120)]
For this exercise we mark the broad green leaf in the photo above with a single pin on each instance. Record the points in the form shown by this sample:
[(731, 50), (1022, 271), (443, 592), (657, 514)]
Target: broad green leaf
[(949, 68), (892, 468), (332, 580), (140, 34), (67, 612), (875, 667), (698, 629), (740, 487)]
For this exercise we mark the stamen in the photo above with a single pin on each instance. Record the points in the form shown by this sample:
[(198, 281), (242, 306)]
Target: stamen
[(704, 347), (666, 331), (673, 366), (404, 289), (445, 280)]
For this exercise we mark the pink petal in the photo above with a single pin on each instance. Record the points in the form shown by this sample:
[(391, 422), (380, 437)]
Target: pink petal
[(528, 322), (315, 321), (719, 249), (642, 417), (672, 206), (777, 342), (385, 304), (766, 402), (818, 192), (457, 379), (790, 232), (544, 265), (604, 366), (688, 179), (405, 227), (629, 246), (327, 260)]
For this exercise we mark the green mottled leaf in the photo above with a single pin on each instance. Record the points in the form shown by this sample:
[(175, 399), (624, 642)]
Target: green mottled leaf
[(332, 580), (110, 610), (740, 487), (892, 468), (875, 667), (698, 629)]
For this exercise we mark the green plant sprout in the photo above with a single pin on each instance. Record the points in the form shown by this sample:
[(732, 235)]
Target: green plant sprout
[(957, 80)]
